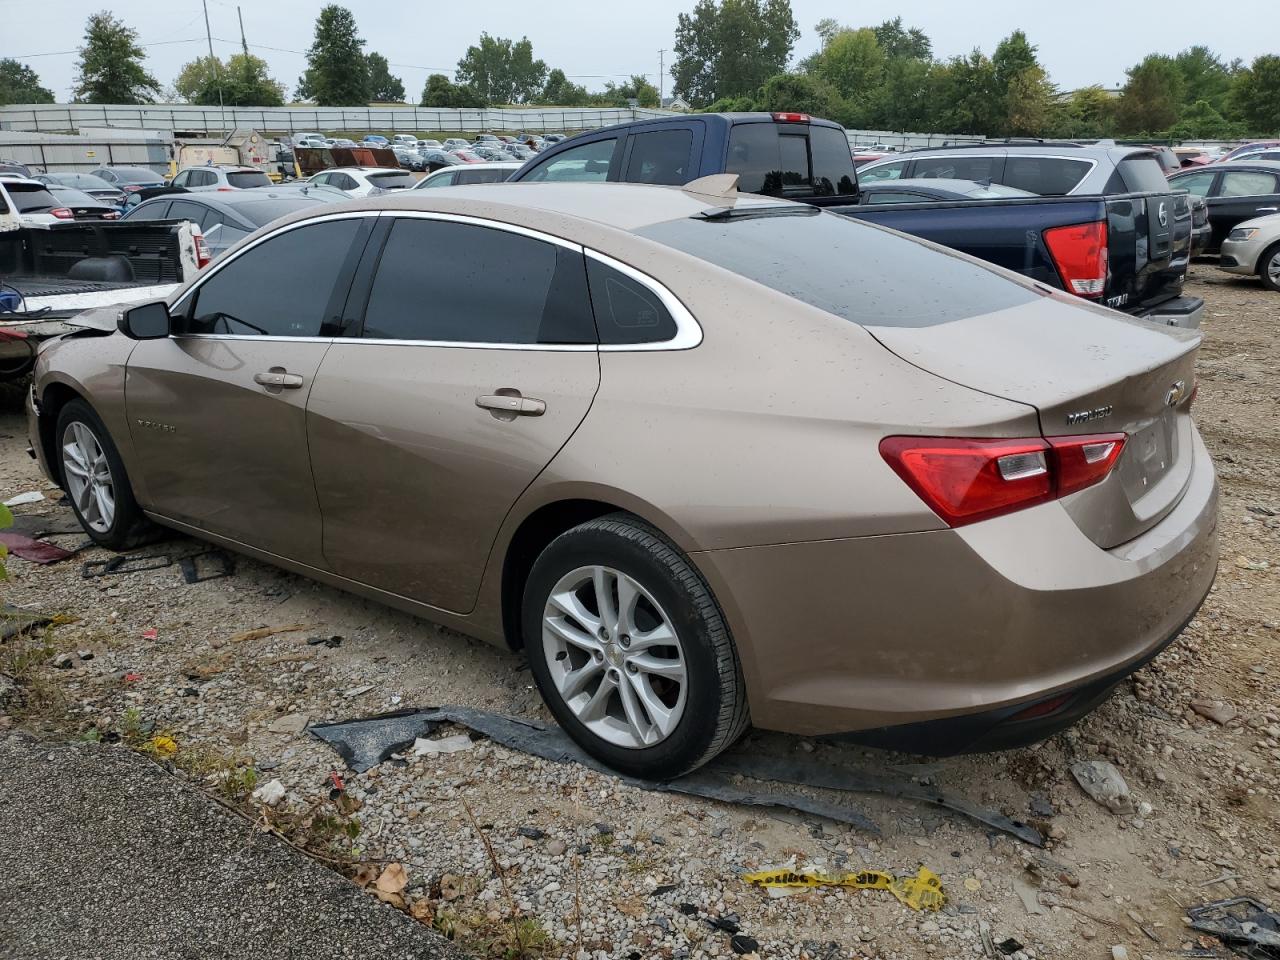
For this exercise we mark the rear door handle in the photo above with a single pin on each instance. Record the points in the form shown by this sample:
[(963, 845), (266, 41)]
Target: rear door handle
[(278, 379), (506, 407)]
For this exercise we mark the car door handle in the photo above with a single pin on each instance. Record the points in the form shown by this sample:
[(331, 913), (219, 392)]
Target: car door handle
[(511, 406), (1267, 209), (278, 379)]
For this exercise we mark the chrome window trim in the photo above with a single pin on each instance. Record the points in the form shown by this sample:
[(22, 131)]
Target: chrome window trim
[(688, 330)]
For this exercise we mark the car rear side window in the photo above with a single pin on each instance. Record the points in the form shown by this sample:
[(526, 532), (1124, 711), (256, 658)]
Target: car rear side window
[(186, 210), (459, 283), (960, 168), (862, 273), (1247, 183), (280, 288), (1046, 176), (1197, 184), (626, 311), (1143, 174), (661, 156), (588, 163)]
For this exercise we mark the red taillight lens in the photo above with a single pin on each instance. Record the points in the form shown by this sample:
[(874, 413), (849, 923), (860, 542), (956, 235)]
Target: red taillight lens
[(202, 249), (967, 480), (792, 117), (111, 215), (130, 188), (62, 213), (1080, 254)]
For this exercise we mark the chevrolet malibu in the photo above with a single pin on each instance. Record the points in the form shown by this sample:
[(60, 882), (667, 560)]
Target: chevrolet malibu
[(709, 459)]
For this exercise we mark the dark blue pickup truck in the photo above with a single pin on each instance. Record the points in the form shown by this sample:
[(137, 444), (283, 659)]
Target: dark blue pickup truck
[(1127, 250)]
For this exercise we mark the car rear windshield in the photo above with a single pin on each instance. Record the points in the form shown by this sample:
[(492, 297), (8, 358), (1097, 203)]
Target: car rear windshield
[(30, 198), (137, 175), (1143, 174), (791, 160), (862, 273), (392, 181), (248, 178)]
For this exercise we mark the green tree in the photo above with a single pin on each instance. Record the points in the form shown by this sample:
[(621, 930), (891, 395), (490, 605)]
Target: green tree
[(243, 81), (1204, 77), (1151, 97), (728, 49), (1201, 121), (797, 92), (898, 41), (20, 84), (440, 91), (383, 87), (110, 68), (638, 88), (502, 71), (337, 72), (1255, 96), (1090, 113), (904, 102), (559, 91), (1023, 87), (965, 95), (853, 63)]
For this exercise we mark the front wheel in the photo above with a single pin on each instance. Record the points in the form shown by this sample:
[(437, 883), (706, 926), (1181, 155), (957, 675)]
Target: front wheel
[(630, 650), (95, 480), (1269, 267)]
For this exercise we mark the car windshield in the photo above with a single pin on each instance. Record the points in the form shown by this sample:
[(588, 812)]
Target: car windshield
[(245, 179), (392, 181), (857, 271)]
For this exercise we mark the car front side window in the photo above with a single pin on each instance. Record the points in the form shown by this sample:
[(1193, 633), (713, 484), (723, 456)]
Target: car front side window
[(279, 288), (460, 283), (883, 171), (586, 163)]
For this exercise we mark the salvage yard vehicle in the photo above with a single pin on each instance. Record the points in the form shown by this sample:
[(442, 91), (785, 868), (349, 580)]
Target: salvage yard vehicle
[(214, 177), (1253, 247), (81, 205), (94, 186), (467, 174), (365, 181), (1127, 246), (31, 201), (129, 179), (708, 458), (1235, 192)]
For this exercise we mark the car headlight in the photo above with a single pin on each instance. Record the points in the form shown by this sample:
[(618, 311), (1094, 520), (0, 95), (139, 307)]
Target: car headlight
[(1243, 233)]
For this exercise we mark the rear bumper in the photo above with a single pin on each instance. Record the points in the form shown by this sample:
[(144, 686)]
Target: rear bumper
[(968, 626), (1185, 312)]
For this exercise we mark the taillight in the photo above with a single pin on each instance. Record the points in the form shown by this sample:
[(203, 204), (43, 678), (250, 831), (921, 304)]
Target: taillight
[(792, 117), (966, 480), (225, 189), (202, 249), (1080, 254), (111, 215), (62, 213), (131, 188)]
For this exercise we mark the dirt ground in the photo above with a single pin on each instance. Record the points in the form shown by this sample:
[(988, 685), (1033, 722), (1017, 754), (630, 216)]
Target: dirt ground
[(604, 870)]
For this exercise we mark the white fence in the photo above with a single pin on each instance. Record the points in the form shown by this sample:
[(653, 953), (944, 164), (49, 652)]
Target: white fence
[(908, 141), (185, 119)]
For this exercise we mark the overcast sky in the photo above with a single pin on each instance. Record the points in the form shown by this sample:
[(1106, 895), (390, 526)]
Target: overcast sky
[(1081, 42)]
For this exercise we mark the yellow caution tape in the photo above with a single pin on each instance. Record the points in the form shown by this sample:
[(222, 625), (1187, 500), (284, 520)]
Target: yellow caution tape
[(921, 892)]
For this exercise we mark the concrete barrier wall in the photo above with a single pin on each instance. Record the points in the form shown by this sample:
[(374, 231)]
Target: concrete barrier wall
[(67, 154)]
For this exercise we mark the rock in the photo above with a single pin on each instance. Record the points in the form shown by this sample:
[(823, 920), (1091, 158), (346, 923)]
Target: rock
[(85, 654), (450, 887), (1103, 782), (603, 828), (292, 724), (423, 747), (1215, 710), (270, 793), (556, 847), (63, 661), (1145, 809), (533, 833), (1119, 953), (1273, 881)]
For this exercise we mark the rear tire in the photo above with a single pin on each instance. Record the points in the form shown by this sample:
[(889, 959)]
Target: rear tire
[(648, 680), (95, 480), (1269, 267)]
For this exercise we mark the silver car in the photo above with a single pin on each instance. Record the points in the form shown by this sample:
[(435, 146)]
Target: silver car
[(1253, 247)]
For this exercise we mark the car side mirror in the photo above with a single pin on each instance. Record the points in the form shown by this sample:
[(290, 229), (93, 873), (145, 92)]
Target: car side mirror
[(147, 322)]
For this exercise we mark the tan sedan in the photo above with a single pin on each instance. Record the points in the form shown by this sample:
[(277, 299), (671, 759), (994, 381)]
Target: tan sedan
[(710, 459)]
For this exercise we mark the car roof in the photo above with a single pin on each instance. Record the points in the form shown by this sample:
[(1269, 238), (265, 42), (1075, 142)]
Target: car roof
[(487, 165), (228, 167), (1051, 149), (365, 170), (1268, 166)]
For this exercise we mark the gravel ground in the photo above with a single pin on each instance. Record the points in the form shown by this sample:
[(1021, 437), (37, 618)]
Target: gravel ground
[(601, 870), (105, 855)]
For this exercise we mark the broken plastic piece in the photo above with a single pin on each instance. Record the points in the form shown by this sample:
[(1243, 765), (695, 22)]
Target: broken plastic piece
[(35, 551), (920, 892), (1247, 926), (126, 563), (207, 565)]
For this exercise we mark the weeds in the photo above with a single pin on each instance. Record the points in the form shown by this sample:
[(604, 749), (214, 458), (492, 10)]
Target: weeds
[(516, 937)]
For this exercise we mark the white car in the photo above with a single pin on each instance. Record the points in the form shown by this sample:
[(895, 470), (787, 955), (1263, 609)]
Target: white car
[(1251, 248), (365, 181), (31, 202), (407, 139), (211, 177), (466, 174), (456, 143)]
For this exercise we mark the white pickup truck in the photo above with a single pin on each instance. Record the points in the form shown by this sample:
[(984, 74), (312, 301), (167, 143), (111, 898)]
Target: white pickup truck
[(50, 274)]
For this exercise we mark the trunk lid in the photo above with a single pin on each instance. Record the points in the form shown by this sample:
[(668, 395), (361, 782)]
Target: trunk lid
[(1148, 248), (1086, 371)]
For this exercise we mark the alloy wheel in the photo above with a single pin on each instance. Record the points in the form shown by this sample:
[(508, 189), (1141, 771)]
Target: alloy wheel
[(1273, 269), (88, 474), (614, 656)]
